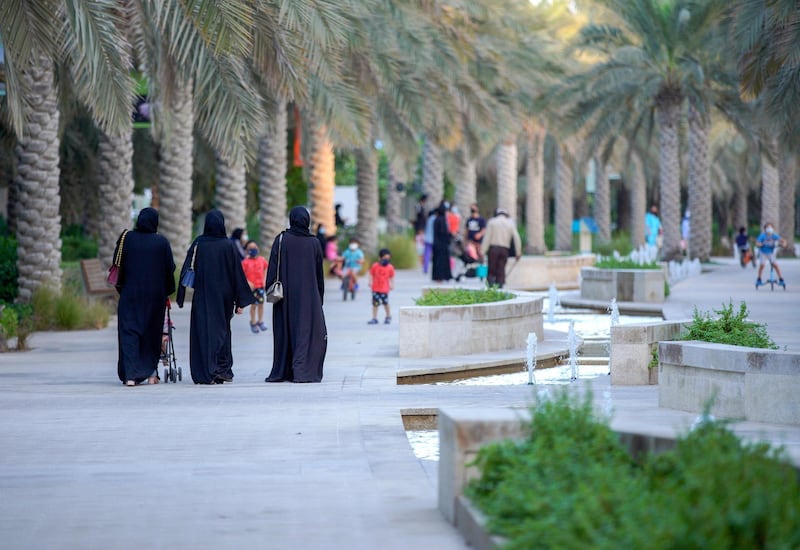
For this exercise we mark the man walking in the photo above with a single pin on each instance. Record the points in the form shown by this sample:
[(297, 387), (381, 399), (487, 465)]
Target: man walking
[(500, 237)]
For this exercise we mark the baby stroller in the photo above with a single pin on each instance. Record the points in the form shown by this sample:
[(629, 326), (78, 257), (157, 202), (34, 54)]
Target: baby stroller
[(469, 257), (172, 372)]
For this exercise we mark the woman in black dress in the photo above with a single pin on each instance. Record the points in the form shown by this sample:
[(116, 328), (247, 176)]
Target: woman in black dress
[(145, 281), (298, 324), (441, 247), (220, 288)]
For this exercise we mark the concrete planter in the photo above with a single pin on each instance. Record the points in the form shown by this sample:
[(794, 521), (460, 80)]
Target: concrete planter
[(538, 272), (626, 285), (744, 383), (632, 348), (435, 331)]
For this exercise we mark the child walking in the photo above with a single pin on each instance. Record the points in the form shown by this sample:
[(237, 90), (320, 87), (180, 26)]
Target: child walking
[(381, 281), (255, 270)]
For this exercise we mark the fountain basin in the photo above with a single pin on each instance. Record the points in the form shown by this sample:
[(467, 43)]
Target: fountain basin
[(437, 331), (538, 272), (626, 285), (632, 347)]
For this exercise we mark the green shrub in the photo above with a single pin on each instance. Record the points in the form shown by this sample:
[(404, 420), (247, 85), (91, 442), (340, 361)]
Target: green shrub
[(462, 297), (67, 311), (8, 325), (729, 327), (613, 263), (571, 484), (403, 248), (620, 241), (8, 269), (75, 245)]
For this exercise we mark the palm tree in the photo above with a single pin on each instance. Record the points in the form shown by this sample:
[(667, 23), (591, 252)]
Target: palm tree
[(231, 191), (602, 201), (770, 182), (564, 194), (534, 199), (506, 161), (319, 168), (432, 172), (368, 200), (115, 190), (272, 176), (699, 184), (37, 207), (787, 174), (636, 183)]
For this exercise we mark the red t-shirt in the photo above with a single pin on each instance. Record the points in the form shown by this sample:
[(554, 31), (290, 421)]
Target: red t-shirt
[(255, 270), (381, 275)]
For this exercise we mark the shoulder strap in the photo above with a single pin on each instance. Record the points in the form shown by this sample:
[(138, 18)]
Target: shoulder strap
[(194, 255), (280, 245), (118, 258)]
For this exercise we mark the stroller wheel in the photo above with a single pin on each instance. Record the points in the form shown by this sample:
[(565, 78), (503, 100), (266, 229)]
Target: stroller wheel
[(179, 373), (166, 375)]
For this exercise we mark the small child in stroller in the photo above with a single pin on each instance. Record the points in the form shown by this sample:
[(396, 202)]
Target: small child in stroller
[(468, 255)]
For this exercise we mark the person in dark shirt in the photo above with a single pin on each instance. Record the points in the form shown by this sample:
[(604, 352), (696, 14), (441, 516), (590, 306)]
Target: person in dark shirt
[(476, 227)]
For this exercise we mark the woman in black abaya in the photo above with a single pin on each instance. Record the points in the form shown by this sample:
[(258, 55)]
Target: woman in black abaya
[(220, 288), (146, 279), (441, 247), (298, 323)]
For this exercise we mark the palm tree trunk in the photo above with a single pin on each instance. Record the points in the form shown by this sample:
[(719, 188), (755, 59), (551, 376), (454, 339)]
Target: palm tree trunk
[(115, 192), (699, 186), (668, 115), (432, 173), (368, 200), (564, 194), (320, 172), (466, 181), (638, 198), (37, 209), (770, 185), (231, 193), (740, 205), (602, 201), (175, 170), (394, 196), (272, 177), (534, 195), (505, 159), (788, 182)]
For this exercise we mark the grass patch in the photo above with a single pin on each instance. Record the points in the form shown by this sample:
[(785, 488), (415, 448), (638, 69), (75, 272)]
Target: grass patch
[(613, 263), (462, 297), (67, 310), (571, 484), (729, 327), (403, 249)]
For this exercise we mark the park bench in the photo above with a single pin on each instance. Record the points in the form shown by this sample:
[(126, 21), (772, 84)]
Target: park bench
[(94, 278)]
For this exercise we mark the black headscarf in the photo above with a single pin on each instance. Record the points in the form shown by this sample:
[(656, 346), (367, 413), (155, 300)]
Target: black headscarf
[(147, 222), (215, 225), (300, 222)]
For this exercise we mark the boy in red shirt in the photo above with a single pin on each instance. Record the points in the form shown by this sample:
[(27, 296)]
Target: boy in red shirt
[(381, 281), (255, 270)]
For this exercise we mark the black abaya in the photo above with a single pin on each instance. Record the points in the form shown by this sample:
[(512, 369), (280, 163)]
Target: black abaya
[(219, 287), (147, 280), (298, 323), (441, 249)]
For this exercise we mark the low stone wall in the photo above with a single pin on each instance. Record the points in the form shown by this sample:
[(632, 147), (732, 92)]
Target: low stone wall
[(626, 285), (538, 272), (433, 331), (747, 383), (632, 349)]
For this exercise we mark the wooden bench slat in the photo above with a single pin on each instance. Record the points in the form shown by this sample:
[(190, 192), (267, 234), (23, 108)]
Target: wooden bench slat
[(94, 277)]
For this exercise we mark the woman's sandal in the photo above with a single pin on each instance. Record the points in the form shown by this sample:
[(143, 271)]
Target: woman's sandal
[(130, 383), (152, 380)]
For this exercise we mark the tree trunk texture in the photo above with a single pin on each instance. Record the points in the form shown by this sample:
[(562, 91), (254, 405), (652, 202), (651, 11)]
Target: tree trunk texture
[(320, 172), (564, 194), (397, 175), (740, 205), (602, 201), (368, 199), (175, 172), (668, 117), (699, 186), (505, 158), (272, 166), (231, 192), (432, 173), (770, 186), (466, 180), (638, 200), (535, 220), (115, 190), (788, 183), (37, 209)]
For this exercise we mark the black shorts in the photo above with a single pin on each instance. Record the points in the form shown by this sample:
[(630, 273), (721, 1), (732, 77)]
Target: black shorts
[(380, 298), (258, 294)]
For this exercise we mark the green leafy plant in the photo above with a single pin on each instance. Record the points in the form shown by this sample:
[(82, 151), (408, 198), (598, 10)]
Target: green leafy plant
[(8, 269), (462, 297), (653, 364), (729, 327), (8, 325), (403, 248), (67, 310), (613, 263), (571, 484), (620, 241)]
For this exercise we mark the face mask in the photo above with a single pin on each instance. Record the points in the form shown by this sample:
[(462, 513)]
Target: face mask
[(353, 246), (385, 262), (769, 230), (253, 252)]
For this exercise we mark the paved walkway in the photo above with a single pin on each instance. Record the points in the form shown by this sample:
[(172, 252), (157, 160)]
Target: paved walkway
[(88, 463)]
